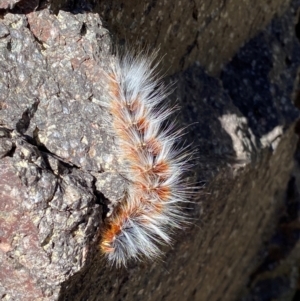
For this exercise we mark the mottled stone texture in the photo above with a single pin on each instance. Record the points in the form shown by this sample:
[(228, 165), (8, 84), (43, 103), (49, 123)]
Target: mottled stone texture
[(210, 31), (4, 4), (52, 138), (59, 171)]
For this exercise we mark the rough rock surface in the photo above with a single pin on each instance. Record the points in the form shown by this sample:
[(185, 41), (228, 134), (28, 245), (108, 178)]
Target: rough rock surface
[(52, 139), (8, 4), (58, 165), (210, 31)]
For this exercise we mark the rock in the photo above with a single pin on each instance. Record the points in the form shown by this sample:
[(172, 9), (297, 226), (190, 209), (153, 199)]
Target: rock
[(187, 31)]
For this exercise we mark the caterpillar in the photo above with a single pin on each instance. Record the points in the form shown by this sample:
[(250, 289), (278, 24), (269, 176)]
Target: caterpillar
[(153, 163)]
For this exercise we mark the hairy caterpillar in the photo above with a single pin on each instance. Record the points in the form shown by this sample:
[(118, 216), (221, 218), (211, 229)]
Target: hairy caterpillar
[(154, 164)]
